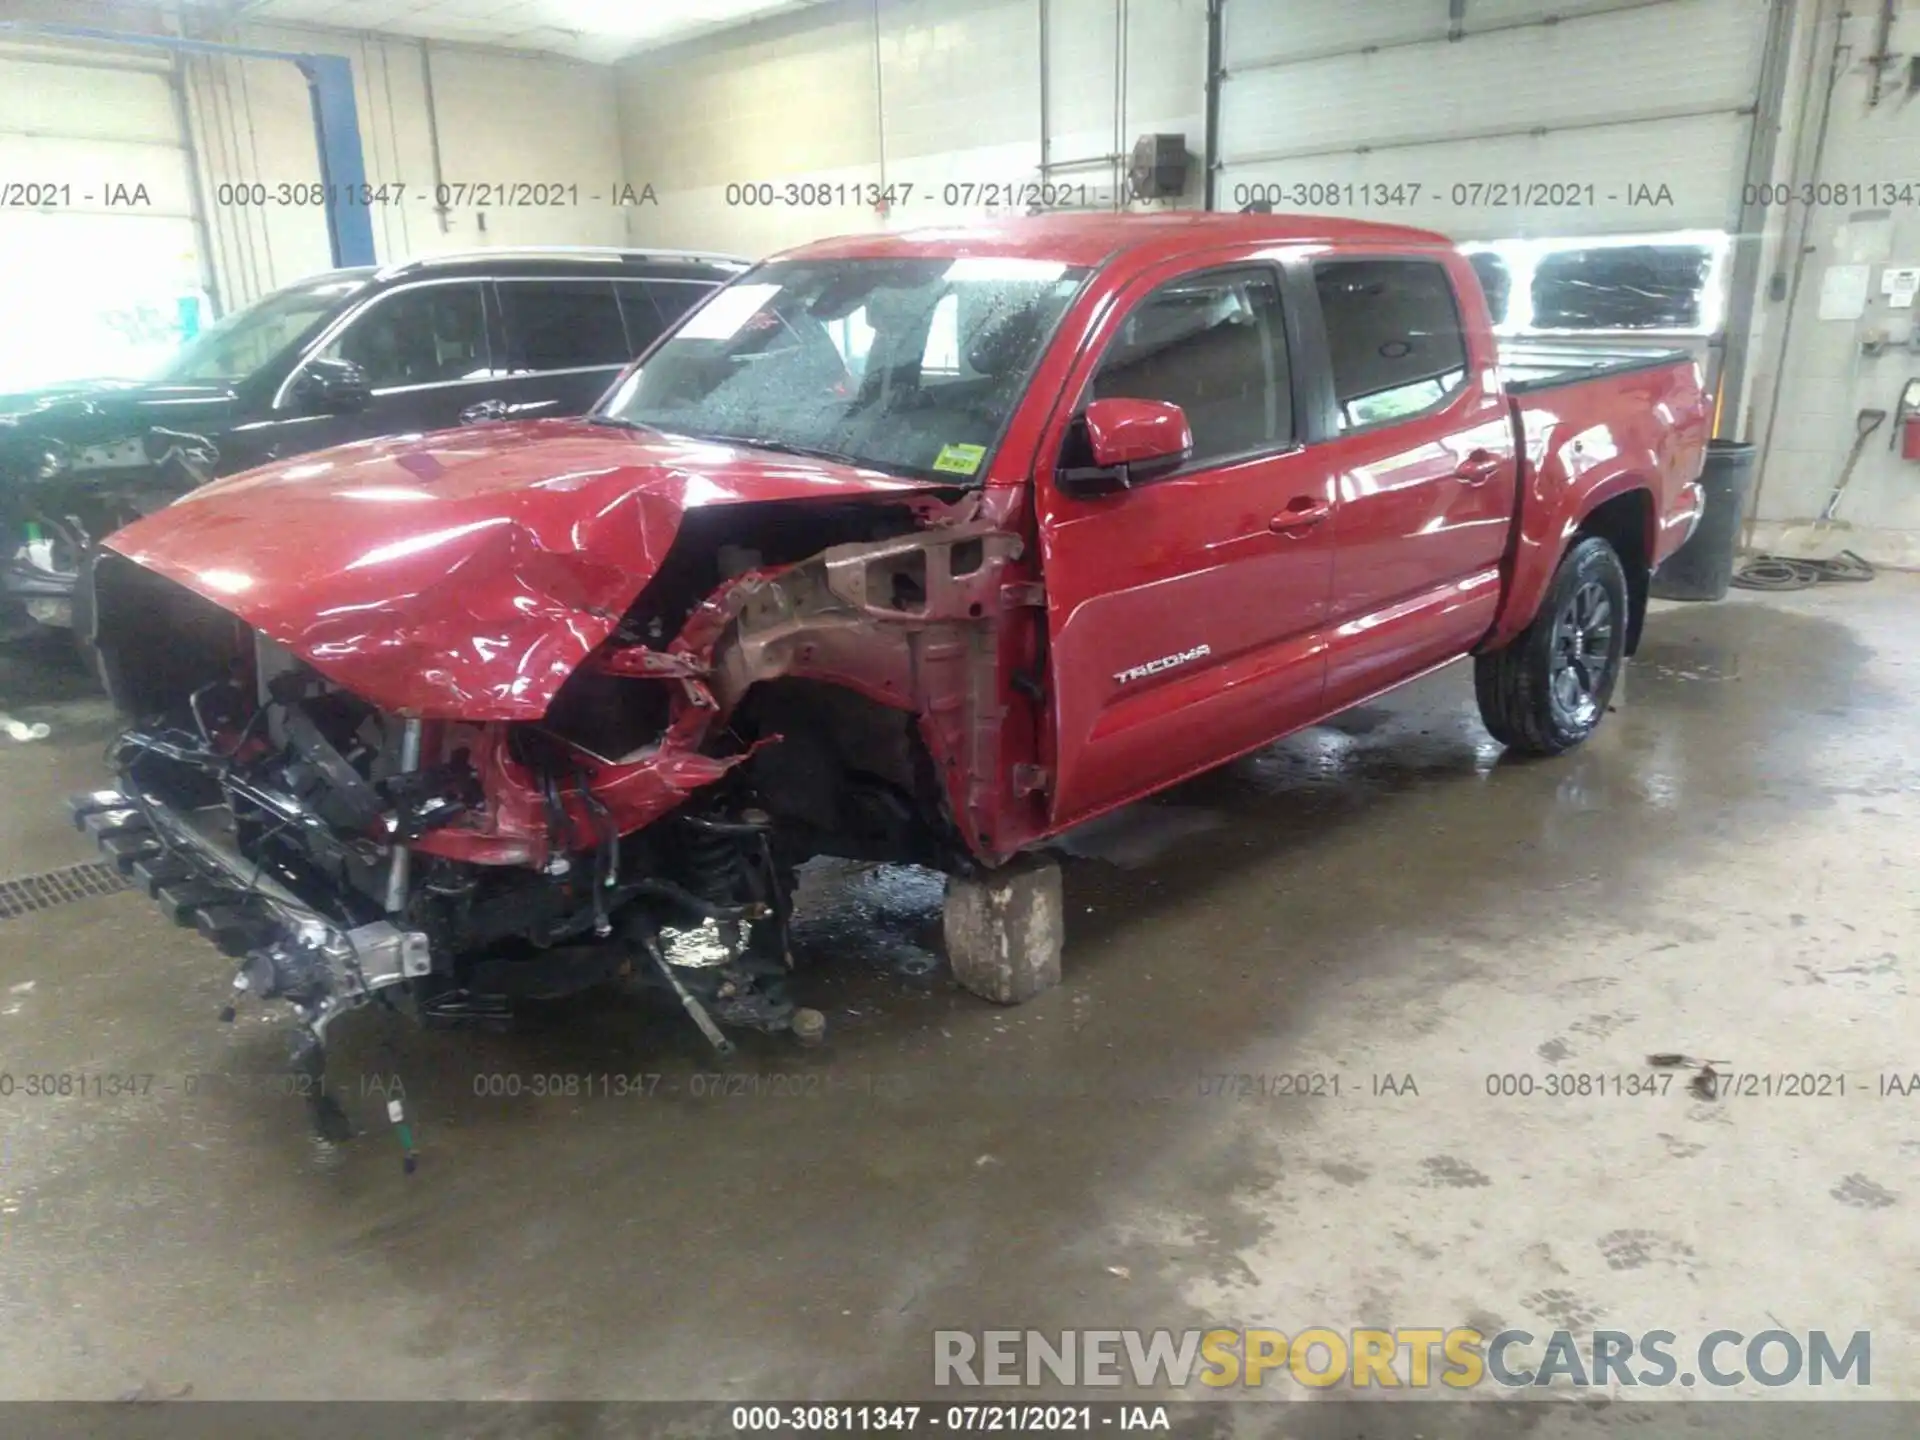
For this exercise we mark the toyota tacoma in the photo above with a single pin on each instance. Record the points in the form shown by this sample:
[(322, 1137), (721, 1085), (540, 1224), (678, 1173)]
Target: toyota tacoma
[(918, 547)]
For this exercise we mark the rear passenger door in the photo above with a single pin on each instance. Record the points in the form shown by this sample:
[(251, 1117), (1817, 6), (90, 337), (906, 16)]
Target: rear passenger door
[(563, 342), (1183, 613), (1421, 448)]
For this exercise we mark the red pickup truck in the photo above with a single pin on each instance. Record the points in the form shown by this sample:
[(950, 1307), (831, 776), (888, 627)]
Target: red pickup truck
[(918, 547)]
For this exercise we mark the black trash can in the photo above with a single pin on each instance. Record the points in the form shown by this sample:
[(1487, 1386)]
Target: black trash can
[(1702, 569)]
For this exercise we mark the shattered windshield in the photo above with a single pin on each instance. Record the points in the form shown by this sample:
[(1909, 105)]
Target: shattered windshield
[(908, 365)]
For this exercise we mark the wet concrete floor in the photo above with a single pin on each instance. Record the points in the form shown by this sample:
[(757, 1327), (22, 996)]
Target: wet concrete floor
[(1727, 870)]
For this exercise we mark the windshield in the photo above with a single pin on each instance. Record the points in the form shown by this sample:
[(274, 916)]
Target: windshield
[(248, 338), (912, 366)]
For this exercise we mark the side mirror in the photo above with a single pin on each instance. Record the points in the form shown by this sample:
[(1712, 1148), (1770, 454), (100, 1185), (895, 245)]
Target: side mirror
[(335, 384), (1129, 442)]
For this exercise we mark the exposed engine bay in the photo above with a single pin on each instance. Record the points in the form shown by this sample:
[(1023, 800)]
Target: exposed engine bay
[(795, 680)]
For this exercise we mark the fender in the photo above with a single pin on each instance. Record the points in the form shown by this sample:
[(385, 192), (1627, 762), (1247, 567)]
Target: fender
[(1563, 481)]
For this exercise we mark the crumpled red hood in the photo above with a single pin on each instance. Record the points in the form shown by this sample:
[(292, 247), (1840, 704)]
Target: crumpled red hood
[(463, 574)]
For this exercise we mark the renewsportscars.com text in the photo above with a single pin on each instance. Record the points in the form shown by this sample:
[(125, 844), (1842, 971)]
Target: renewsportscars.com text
[(1410, 1358)]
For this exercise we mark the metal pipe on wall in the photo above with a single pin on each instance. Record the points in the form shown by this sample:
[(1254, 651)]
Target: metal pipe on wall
[(1119, 103), (1749, 240), (1116, 159), (1801, 249), (196, 182), (1216, 44), (440, 207), (879, 100), (1046, 65)]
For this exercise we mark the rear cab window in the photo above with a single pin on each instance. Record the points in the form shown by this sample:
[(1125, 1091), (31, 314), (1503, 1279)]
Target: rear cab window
[(1394, 338)]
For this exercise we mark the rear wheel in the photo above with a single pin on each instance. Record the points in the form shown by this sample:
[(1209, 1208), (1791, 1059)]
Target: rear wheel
[(1547, 690)]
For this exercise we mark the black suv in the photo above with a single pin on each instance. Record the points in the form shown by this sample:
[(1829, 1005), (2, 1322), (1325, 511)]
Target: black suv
[(347, 355)]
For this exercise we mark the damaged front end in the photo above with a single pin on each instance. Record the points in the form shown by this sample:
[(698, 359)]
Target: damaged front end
[(793, 680)]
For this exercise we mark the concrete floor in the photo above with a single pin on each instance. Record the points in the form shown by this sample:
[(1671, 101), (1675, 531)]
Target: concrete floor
[(1727, 870)]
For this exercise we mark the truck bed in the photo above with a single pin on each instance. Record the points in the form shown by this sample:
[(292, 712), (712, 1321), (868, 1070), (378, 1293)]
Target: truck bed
[(1532, 365)]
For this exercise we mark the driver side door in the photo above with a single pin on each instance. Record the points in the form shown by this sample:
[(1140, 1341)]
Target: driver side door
[(1185, 614), (425, 354)]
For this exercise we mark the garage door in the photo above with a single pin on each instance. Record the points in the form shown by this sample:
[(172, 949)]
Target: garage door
[(101, 271), (1491, 119)]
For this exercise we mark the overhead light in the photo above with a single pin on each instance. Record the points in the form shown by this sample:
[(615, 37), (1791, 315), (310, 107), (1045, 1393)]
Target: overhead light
[(657, 20)]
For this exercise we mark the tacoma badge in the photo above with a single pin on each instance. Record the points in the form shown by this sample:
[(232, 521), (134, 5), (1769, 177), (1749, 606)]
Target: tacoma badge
[(1165, 662)]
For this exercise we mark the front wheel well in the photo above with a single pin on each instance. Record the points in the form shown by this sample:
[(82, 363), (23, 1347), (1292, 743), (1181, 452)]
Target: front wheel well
[(845, 775), (1625, 521)]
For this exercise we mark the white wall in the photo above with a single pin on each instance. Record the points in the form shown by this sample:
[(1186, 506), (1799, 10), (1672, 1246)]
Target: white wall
[(1825, 380), (501, 117), (919, 93), (97, 258)]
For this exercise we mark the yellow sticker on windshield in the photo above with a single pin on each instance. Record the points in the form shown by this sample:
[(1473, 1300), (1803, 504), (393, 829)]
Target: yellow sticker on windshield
[(960, 459)]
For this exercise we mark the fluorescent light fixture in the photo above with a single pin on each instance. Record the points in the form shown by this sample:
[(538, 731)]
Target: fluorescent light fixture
[(656, 21)]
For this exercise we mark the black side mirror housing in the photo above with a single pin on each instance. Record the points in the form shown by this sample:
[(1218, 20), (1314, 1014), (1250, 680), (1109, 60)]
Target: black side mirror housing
[(1090, 482), (335, 384)]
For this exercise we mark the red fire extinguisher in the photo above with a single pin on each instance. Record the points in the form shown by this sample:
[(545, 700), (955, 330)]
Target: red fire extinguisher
[(1910, 438), (1908, 418)]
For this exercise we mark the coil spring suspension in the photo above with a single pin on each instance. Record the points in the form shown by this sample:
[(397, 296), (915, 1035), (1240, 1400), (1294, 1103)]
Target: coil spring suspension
[(716, 867)]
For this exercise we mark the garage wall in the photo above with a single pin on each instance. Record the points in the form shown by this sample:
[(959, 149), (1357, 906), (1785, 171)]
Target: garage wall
[(1531, 118), (1822, 377), (860, 94), (500, 117), (97, 226), (188, 129)]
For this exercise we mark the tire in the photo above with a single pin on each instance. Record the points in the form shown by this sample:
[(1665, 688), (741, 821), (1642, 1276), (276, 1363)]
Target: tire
[(1548, 689)]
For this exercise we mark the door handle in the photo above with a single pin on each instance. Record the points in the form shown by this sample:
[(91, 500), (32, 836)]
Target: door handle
[(1478, 468), (1303, 512), (483, 410)]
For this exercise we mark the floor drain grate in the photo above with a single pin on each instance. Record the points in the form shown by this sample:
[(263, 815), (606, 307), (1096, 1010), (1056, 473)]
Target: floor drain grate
[(58, 887)]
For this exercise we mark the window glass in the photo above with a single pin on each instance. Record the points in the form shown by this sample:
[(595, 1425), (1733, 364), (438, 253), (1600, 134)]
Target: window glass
[(1673, 283), (673, 298), (941, 359), (427, 335), (911, 364), (561, 324), (1214, 345), (1622, 287), (853, 338), (247, 339), (1393, 332), (1496, 282), (643, 319)]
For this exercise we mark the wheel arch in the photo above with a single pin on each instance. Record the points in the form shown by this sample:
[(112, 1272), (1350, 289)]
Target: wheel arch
[(1627, 520)]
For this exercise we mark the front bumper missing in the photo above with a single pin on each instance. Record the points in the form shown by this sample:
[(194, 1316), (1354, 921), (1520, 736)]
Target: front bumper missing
[(287, 949)]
